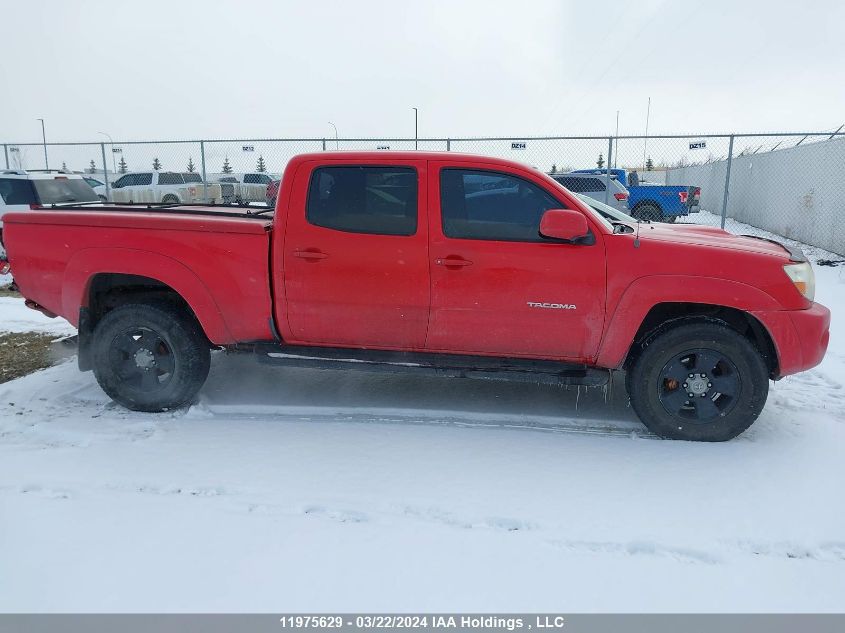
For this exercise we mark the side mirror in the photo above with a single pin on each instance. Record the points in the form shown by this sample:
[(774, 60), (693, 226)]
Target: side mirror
[(564, 224)]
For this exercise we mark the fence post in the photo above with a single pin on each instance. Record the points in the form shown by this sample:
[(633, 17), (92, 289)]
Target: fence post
[(607, 170), (105, 169), (448, 145), (727, 180), (202, 166), (324, 145), (6, 154)]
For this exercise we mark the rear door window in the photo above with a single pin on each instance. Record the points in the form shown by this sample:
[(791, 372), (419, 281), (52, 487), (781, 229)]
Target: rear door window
[(17, 191), (169, 178), (581, 185), (358, 199)]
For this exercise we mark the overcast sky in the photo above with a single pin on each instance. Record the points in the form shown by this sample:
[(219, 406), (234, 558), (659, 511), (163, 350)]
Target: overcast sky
[(177, 69)]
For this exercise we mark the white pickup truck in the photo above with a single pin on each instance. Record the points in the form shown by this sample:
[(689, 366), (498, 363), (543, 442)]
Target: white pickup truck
[(168, 187), (248, 186)]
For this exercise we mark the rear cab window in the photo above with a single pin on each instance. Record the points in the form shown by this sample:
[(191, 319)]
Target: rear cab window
[(364, 199), (61, 190)]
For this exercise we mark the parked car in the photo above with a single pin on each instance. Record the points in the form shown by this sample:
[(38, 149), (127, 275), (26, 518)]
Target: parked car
[(450, 264), (98, 186), (272, 192), (22, 190), (647, 201), (595, 187), (248, 186), (167, 187)]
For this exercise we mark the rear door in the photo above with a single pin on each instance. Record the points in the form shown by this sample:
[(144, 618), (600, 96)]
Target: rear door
[(497, 286), (355, 255)]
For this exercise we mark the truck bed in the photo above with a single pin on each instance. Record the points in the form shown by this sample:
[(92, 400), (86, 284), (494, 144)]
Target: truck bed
[(215, 257)]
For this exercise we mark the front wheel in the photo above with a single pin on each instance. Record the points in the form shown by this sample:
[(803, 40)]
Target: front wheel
[(702, 381), (150, 357)]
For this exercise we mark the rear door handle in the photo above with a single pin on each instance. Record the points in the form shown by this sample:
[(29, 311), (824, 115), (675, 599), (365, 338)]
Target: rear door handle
[(449, 262), (313, 255)]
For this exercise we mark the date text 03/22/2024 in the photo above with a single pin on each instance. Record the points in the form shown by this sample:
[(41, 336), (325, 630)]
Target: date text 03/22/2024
[(458, 622)]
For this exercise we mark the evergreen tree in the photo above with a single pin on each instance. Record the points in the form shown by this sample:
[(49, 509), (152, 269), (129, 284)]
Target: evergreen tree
[(121, 166), (156, 164), (600, 161), (92, 168), (649, 164), (554, 168), (227, 168), (260, 167), (191, 168), (64, 166)]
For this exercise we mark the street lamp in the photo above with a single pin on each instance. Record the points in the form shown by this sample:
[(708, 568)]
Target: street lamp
[(111, 142), (416, 136), (44, 139), (336, 146)]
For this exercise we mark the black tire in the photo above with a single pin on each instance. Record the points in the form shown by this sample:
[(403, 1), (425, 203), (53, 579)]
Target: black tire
[(170, 199), (150, 356), (647, 211), (725, 373)]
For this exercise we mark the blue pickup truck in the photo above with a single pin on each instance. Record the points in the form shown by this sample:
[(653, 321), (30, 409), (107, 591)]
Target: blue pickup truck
[(664, 203)]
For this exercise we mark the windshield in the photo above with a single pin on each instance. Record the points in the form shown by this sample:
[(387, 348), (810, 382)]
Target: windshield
[(607, 212), (59, 190)]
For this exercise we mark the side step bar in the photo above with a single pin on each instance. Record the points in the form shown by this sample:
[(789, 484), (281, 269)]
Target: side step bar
[(448, 365)]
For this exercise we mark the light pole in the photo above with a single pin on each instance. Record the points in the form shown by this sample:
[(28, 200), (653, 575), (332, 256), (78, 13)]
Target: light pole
[(416, 128), (616, 151), (336, 146), (44, 140), (111, 142)]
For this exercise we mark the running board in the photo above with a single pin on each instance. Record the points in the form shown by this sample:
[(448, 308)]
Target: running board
[(448, 365)]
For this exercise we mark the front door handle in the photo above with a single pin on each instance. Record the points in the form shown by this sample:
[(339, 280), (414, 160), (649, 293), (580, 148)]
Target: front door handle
[(449, 262), (312, 255)]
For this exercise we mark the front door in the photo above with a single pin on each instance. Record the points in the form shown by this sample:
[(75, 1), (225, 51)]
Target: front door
[(497, 286), (355, 263)]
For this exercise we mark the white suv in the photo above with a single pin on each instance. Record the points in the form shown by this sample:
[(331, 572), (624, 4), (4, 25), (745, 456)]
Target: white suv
[(21, 190)]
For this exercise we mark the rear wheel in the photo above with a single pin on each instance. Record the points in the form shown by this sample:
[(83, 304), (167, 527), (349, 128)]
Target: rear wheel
[(150, 357), (702, 381), (648, 212)]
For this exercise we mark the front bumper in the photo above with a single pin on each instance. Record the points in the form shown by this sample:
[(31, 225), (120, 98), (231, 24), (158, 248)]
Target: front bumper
[(800, 336)]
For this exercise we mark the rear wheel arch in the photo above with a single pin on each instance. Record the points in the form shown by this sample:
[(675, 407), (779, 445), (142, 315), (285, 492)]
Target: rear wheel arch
[(109, 291), (98, 269)]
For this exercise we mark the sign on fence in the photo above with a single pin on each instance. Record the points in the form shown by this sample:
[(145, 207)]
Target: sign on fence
[(382, 146), (248, 148), (518, 145), (698, 145), (117, 150)]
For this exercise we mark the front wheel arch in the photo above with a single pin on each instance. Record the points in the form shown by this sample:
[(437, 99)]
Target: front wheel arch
[(665, 316)]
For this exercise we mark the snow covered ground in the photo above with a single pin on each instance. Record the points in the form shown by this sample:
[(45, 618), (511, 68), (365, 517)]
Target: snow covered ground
[(295, 490)]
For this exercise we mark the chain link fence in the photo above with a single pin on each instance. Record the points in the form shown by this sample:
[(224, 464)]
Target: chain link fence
[(792, 184)]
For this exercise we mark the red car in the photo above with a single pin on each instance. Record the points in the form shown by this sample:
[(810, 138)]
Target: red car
[(411, 261)]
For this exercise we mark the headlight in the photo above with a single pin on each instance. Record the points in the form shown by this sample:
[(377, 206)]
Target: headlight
[(803, 277)]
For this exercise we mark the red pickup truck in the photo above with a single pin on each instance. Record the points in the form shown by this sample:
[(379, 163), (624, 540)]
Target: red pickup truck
[(412, 261)]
